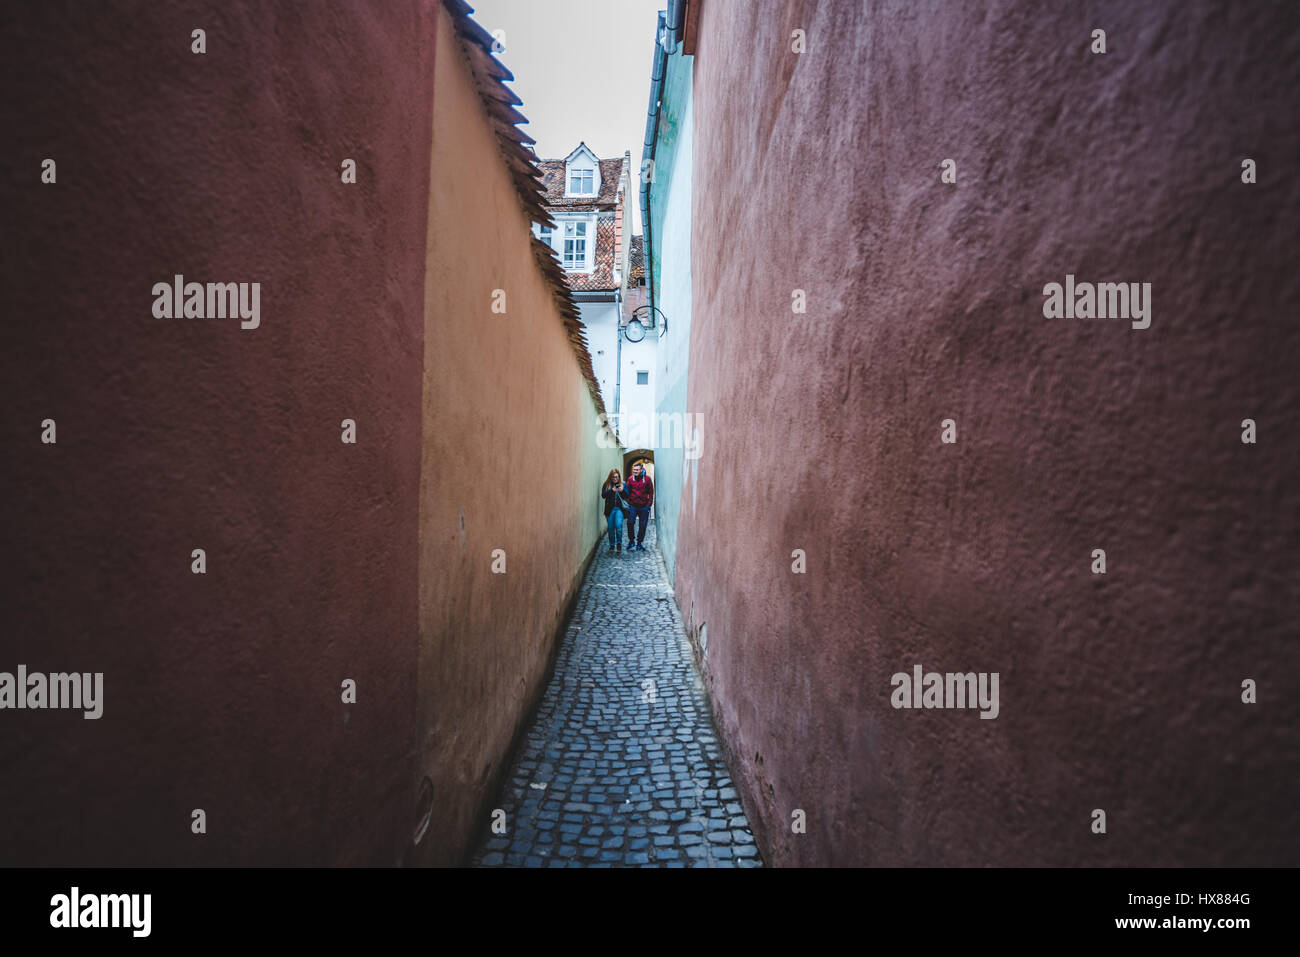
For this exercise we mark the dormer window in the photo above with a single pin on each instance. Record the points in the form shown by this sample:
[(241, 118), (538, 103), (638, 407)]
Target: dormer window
[(582, 176), (580, 182)]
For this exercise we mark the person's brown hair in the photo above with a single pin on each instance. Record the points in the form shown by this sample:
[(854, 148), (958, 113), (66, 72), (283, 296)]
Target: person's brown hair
[(609, 482)]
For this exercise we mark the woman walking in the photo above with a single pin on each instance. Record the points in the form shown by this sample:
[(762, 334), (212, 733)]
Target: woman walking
[(612, 493)]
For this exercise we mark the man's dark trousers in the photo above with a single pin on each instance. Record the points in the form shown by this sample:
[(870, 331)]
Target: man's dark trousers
[(640, 516)]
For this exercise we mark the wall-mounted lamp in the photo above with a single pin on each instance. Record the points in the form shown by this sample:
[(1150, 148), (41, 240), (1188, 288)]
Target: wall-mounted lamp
[(643, 318)]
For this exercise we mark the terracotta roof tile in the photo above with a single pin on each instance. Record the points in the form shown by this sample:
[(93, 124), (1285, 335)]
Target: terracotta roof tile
[(604, 204), (552, 173), (601, 278)]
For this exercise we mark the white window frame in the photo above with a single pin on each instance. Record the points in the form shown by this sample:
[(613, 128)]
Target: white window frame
[(583, 162), (588, 263), (581, 171), (574, 225)]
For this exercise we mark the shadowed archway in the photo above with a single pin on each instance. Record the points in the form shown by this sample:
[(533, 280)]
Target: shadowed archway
[(645, 456)]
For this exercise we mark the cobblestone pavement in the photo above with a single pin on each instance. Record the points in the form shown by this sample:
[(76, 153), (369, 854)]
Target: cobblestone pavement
[(615, 772)]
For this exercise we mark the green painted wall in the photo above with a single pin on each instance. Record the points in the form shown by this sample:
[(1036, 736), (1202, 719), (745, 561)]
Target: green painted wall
[(670, 271)]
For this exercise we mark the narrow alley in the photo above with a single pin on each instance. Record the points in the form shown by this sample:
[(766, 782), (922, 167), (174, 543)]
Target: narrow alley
[(948, 349), (615, 771)]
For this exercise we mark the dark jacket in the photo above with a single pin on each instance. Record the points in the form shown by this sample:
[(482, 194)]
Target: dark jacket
[(640, 494), (613, 498)]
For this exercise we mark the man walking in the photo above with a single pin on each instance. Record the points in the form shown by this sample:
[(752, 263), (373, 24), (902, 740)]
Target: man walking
[(639, 489)]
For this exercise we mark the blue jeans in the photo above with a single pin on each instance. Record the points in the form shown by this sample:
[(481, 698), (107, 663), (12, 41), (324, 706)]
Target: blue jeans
[(615, 523), (640, 517)]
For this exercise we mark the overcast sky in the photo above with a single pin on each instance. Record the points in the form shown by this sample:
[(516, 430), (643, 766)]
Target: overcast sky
[(582, 68)]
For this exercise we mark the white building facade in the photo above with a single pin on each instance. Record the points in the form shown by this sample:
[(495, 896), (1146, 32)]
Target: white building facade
[(588, 197)]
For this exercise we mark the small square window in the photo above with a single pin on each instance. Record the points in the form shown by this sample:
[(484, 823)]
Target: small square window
[(643, 378), (581, 182)]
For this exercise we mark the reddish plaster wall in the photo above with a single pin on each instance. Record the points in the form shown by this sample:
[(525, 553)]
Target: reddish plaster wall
[(222, 691), (1119, 692), (325, 561)]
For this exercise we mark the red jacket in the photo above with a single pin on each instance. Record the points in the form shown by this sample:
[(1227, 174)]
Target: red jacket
[(640, 494)]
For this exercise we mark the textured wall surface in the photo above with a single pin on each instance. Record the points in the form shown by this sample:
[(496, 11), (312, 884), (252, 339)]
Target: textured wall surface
[(510, 462), (600, 320), (223, 691), (1120, 692)]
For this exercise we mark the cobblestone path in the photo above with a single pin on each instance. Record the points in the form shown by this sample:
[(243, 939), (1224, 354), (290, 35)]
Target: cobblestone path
[(615, 772)]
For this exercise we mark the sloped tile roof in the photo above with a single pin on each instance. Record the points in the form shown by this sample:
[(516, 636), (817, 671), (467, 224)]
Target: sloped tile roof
[(553, 183), (498, 103), (605, 203), (601, 278)]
